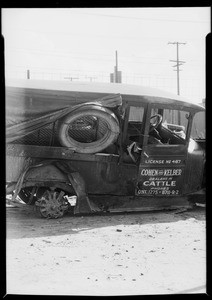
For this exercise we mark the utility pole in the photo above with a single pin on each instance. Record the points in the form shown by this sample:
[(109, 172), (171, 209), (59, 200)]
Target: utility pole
[(179, 63), (116, 75), (28, 74), (116, 68)]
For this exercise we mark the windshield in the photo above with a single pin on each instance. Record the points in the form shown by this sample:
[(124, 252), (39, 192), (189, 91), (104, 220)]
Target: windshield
[(198, 126)]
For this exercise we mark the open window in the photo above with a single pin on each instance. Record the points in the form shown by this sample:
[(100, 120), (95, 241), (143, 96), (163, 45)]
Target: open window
[(133, 133), (168, 126), (135, 123)]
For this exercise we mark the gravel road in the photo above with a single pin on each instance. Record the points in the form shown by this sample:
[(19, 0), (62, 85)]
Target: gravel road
[(119, 254)]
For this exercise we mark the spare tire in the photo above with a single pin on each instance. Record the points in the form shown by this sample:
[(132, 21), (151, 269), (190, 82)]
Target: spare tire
[(89, 129)]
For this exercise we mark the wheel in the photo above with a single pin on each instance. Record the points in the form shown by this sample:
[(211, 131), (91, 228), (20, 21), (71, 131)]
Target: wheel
[(52, 204), (90, 129)]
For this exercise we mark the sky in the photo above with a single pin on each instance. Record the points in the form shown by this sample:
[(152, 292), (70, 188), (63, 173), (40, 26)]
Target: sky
[(80, 44)]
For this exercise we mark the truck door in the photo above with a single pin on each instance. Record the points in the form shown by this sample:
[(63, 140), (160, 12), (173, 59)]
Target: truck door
[(164, 152)]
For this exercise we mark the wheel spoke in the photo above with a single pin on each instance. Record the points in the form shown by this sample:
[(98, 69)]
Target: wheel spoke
[(60, 195), (54, 198), (49, 196), (42, 209)]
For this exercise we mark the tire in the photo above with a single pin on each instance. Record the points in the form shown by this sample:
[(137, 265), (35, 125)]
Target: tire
[(93, 113)]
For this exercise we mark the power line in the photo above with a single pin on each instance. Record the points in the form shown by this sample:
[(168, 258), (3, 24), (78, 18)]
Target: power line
[(145, 19), (109, 58), (80, 53), (137, 60), (92, 34)]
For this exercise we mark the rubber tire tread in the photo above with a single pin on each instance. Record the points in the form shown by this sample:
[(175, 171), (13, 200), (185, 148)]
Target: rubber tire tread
[(93, 147)]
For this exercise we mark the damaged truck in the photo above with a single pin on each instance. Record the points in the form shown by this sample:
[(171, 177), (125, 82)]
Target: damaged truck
[(83, 148)]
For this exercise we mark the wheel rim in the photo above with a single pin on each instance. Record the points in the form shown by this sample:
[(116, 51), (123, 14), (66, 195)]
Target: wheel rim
[(52, 204)]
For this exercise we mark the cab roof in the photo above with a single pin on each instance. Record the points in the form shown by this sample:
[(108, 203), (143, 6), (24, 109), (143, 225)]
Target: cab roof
[(149, 94)]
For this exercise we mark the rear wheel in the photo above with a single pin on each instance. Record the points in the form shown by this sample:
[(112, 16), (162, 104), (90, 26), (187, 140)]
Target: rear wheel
[(51, 204)]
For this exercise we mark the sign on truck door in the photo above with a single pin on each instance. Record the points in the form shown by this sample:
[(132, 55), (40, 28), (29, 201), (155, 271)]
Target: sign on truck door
[(163, 157)]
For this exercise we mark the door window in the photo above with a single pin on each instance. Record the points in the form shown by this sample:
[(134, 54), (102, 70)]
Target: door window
[(136, 114), (168, 126), (134, 134), (135, 123)]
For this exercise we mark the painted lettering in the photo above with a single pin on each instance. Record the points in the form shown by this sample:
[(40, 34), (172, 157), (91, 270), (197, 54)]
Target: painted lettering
[(159, 183), (154, 161), (176, 161), (172, 172), (161, 172)]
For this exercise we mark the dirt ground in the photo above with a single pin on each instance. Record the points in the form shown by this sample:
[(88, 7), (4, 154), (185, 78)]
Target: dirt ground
[(119, 254)]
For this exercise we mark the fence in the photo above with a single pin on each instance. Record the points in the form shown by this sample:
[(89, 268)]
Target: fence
[(190, 88)]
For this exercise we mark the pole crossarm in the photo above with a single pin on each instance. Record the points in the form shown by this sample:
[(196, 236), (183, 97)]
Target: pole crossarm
[(180, 61), (174, 43), (177, 66)]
